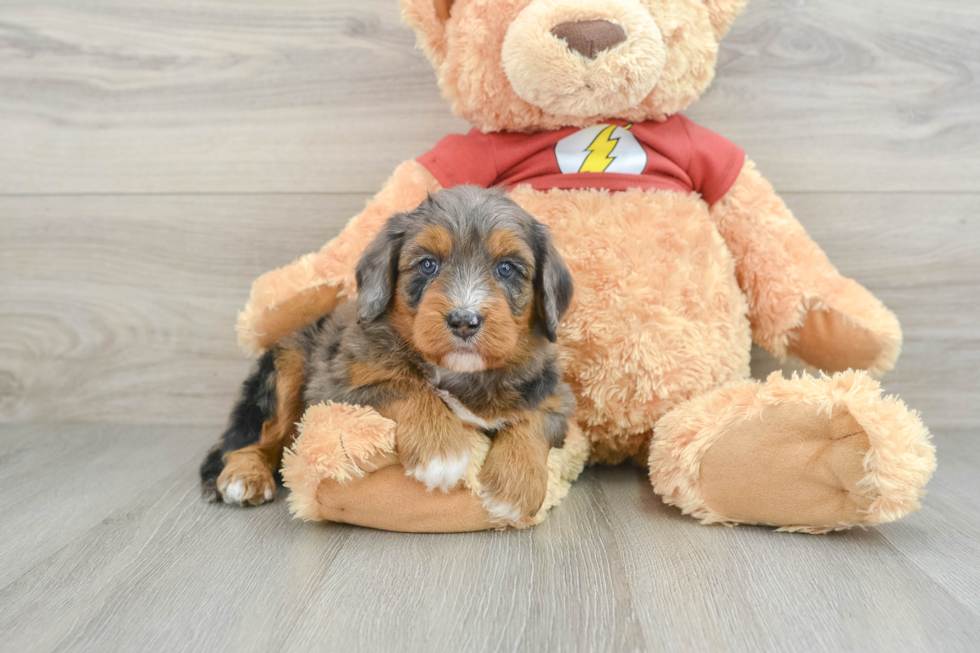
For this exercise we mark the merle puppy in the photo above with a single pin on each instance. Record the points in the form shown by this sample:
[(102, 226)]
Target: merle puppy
[(458, 305)]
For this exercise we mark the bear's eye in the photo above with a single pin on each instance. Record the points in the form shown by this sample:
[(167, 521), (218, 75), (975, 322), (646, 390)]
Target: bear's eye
[(428, 266), (506, 270)]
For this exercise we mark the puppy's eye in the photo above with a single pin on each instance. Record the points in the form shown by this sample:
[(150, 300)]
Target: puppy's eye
[(506, 270), (428, 266)]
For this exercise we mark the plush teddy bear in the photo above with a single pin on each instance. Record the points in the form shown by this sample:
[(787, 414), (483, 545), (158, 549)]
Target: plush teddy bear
[(681, 253)]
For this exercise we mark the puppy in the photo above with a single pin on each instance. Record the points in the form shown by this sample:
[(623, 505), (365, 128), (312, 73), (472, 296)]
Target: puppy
[(458, 305)]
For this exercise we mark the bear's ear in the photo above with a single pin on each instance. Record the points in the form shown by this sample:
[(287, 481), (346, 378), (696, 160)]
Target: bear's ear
[(428, 19), (723, 14)]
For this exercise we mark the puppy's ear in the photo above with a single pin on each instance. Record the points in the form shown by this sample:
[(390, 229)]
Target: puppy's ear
[(377, 270), (552, 282), (428, 19)]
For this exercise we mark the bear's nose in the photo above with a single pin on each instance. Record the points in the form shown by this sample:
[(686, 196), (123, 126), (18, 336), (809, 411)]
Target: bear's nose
[(590, 37)]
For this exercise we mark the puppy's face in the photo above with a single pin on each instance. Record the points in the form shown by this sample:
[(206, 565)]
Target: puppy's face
[(464, 297), (468, 278)]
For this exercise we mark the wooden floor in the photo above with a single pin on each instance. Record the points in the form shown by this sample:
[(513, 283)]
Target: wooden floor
[(155, 157)]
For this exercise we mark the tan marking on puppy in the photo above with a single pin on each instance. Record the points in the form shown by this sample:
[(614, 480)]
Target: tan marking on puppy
[(467, 416), (366, 373), (504, 242), (498, 338), (429, 336), (291, 375), (515, 474), (246, 478), (432, 442), (402, 318), (552, 404), (247, 475), (436, 240)]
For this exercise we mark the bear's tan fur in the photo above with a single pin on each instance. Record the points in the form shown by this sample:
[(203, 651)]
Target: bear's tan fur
[(670, 292)]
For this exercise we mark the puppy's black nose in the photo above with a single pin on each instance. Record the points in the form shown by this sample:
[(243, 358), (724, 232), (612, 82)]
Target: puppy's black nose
[(464, 324)]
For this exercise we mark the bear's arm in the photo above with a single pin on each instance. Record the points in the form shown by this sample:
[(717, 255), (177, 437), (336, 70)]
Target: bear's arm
[(798, 303), (285, 300)]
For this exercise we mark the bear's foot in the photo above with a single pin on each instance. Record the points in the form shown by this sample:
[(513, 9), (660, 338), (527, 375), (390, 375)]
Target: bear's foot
[(344, 467), (804, 454)]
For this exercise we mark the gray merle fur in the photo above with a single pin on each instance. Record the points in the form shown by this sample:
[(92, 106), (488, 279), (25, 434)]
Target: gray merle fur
[(356, 332), (256, 404)]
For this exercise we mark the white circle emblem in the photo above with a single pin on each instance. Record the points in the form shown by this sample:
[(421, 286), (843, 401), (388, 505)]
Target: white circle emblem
[(601, 148)]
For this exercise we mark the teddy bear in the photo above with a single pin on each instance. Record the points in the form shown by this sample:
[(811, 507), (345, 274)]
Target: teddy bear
[(682, 255)]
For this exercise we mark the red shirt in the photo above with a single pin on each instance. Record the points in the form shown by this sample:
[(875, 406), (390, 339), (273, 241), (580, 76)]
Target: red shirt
[(674, 155)]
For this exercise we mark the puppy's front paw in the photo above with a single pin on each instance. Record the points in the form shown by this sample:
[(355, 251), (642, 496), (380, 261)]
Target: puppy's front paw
[(501, 509), (246, 486), (443, 472), (512, 494)]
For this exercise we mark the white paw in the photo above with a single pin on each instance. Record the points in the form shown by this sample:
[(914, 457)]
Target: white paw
[(442, 473), (501, 510), (238, 493), (233, 492)]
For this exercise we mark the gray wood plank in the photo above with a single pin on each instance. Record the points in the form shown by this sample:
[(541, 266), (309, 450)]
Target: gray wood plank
[(943, 540), (121, 309), (612, 569), (556, 587), (832, 95), (170, 573), (102, 96), (57, 481), (749, 589)]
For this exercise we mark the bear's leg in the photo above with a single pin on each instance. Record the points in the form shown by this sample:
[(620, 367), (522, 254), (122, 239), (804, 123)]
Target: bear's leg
[(805, 454), (344, 467)]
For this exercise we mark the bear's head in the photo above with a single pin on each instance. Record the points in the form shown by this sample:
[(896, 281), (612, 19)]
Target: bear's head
[(533, 65)]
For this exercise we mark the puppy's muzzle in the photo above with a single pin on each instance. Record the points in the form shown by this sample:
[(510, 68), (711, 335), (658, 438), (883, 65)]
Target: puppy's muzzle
[(464, 324)]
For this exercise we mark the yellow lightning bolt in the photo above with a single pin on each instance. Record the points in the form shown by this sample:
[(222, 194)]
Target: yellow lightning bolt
[(599, 151)]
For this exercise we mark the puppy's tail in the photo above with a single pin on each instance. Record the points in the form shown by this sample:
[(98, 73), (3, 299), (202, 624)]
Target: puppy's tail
[(256, 404)]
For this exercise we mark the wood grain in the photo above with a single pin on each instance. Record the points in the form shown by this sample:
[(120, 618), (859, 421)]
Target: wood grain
[(59, 481), (121, 309), (611, 569), (943, 540), (100, 96), (847, 591)]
